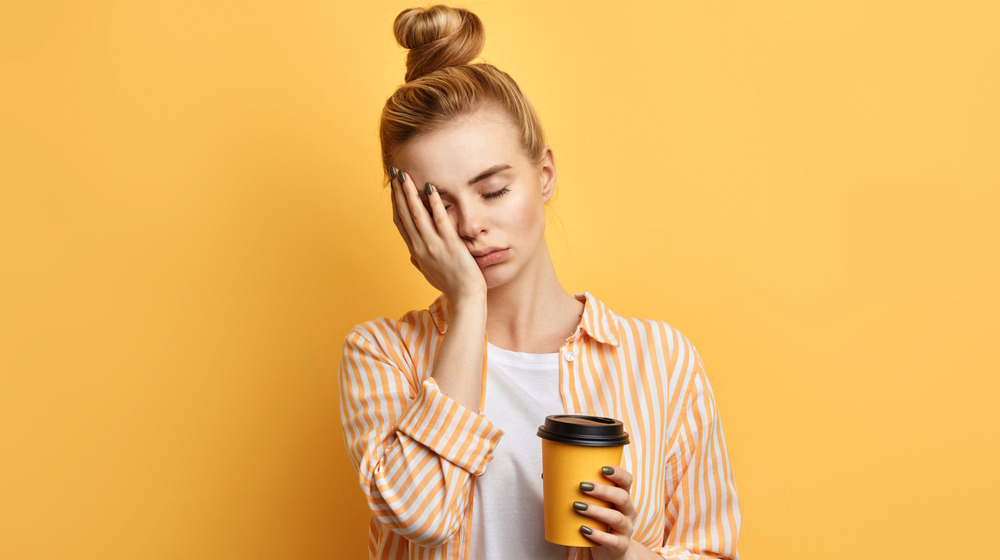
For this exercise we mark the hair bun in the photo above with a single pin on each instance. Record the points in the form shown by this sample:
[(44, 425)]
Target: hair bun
[(438, 37)]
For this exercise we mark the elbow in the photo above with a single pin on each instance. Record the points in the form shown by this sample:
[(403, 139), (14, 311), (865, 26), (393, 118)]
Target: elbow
[(423, 524), (434, 533)]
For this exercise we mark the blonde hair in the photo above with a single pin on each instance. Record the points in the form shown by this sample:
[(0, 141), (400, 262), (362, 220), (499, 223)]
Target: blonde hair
[(443, 85)]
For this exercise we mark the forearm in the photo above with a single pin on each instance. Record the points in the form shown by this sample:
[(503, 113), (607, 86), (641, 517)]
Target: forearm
[(458, 366), (414, 472)]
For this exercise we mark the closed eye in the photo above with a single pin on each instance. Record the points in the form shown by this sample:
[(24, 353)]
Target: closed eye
[(497, 194)]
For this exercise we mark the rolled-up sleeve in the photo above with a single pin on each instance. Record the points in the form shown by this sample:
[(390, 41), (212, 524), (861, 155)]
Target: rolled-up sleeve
[(415, 449)]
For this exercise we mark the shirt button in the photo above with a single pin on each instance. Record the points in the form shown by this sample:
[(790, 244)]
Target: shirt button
[(569, 356)]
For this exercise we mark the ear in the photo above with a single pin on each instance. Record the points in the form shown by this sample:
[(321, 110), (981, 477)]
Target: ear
[(547, 173)]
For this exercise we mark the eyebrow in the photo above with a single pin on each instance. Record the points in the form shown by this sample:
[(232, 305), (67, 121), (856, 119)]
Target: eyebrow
[(489, 172)]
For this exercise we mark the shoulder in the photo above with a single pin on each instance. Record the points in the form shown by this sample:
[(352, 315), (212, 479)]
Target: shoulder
[(670, 339), (643, 335), (413, 328)]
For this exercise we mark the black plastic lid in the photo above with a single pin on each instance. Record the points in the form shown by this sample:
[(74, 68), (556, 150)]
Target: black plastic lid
[(592, 431)]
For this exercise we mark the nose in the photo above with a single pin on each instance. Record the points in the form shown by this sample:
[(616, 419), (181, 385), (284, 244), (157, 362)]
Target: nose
[(472, 221)]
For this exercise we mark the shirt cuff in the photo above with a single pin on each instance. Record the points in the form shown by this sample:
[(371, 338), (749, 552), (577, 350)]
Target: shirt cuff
[(455, 433)]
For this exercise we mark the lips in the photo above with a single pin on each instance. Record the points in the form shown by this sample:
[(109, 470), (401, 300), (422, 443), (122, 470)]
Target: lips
[(490, 256)]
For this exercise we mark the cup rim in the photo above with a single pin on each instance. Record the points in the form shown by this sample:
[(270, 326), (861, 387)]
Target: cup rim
[(600, 432)]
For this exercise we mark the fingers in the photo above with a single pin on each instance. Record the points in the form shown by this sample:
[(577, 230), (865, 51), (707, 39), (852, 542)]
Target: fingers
[(618, 495), (606, 517), (401, 210), (418, 214), (617, 545), (619, 518), (442, 221), (427, 230), (619, 515), (619, 477)]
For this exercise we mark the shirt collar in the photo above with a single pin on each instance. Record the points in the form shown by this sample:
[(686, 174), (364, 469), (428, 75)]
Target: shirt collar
[(440, 313), (597, 320)]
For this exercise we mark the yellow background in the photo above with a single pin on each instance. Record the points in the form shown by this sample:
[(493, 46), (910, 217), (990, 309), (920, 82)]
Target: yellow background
[(192, 217)]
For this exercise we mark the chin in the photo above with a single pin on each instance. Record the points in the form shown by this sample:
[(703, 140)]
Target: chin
[(496, 277)]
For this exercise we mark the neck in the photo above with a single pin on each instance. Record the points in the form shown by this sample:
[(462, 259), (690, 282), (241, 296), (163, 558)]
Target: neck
[(532, 313)]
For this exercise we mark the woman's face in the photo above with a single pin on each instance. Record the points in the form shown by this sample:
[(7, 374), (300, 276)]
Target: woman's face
[(495, 194)]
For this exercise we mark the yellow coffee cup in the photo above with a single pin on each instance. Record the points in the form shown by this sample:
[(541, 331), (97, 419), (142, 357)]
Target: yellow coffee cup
[(574, 448)]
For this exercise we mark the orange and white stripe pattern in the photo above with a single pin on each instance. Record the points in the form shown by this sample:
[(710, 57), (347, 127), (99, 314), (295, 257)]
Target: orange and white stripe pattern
[(416, 450)]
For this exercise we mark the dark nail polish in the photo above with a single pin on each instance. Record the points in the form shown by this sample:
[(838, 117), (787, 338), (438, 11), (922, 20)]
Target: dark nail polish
[(402, 177), (392, 171), (586, 530), (586, 486), (580, 506), (608, 470), (429, 187)]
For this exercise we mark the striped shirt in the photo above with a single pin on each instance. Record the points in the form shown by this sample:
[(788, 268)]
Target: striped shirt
[(416, 450)]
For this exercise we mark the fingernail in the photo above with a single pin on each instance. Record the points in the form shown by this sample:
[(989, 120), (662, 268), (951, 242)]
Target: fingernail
[(608, 470), (402, 177), (430, 188), (392, 171), (586, 530), (586, 486), (580, 506)]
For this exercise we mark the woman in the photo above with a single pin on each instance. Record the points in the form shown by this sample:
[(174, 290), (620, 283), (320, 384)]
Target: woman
[(426, 399)]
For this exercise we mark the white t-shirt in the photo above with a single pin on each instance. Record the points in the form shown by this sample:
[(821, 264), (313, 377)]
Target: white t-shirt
[(507, 521)]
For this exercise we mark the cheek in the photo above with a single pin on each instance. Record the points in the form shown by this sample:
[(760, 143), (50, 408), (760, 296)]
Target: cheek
[(529, 216)]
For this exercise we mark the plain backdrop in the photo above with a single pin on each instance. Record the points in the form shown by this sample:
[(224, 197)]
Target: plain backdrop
[(193, 215)]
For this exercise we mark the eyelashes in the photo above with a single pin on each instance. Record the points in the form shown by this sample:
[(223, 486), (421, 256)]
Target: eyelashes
[(497, 194), (489, 195)]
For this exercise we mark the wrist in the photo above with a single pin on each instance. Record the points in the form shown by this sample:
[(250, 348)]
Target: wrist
[(637, 551), (468, 304)]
